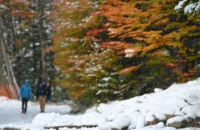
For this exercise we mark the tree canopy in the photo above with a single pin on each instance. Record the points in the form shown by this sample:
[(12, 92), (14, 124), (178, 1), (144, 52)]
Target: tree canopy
[(117, 49), (99, 51)]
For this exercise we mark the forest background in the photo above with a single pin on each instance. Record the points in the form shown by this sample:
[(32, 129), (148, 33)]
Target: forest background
[(97, 51)]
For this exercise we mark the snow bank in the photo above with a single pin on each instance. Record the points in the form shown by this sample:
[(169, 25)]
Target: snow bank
[(175, 104), (2, 99), (176, 119), (44, 119), (180, 102)]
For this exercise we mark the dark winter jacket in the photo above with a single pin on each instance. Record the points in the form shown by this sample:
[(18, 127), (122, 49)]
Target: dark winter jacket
[(42, 90), (26, 91)]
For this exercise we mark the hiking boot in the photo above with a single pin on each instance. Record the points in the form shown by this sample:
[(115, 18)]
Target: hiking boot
[(23, 111)]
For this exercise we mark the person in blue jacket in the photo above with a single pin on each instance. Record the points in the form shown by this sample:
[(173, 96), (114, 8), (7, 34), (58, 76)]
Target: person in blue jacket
[(25, 94)]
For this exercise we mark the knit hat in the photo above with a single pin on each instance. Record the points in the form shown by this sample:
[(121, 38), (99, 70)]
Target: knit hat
[(44, 80), (26, 81)]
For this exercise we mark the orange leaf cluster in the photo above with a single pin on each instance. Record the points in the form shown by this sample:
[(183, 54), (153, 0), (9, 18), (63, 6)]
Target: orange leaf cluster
[(95, 32), (124, 48), (116, 45), (192, 72), (17, 2), (171, 64), (157, 53), (189, 74), (78, 93), (21, 2), (186, 74), (23, 13), (129, 69), (150, 47), (49, 49)]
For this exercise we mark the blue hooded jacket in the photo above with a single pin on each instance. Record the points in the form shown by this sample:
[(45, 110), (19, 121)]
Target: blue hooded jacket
[(26, 91)]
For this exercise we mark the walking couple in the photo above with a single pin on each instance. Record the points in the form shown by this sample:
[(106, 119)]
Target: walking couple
[(42, 92)]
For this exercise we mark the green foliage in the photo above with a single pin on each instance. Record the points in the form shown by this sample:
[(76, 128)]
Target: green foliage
[(83, 63)]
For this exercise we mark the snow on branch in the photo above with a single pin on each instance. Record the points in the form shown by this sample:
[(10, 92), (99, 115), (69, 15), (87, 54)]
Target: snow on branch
[(190, 6)]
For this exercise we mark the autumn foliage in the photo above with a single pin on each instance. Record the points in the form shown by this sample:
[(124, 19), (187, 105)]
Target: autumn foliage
[(115, 49), (148, 29)]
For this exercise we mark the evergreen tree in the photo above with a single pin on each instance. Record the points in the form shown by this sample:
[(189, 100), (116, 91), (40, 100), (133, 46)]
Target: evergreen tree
[(85, 67), (35, 63), (24, 29), (8, 30)]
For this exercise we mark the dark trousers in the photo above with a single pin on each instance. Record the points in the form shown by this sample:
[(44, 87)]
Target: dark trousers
[(24, 104)]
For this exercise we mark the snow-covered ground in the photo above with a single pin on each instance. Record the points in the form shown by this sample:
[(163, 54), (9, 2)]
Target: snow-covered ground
[(180, 101), (11, 116)]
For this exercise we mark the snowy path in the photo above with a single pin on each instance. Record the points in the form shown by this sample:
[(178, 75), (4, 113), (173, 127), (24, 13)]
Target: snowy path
[(181, 101), (12, 114)]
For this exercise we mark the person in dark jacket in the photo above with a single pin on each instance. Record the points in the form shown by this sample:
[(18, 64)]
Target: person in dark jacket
[(42, 92), (25, 94)]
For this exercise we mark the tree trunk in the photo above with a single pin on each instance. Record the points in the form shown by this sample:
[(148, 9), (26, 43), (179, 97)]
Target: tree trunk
[(8, 84), (41, 6), (2, 78)]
